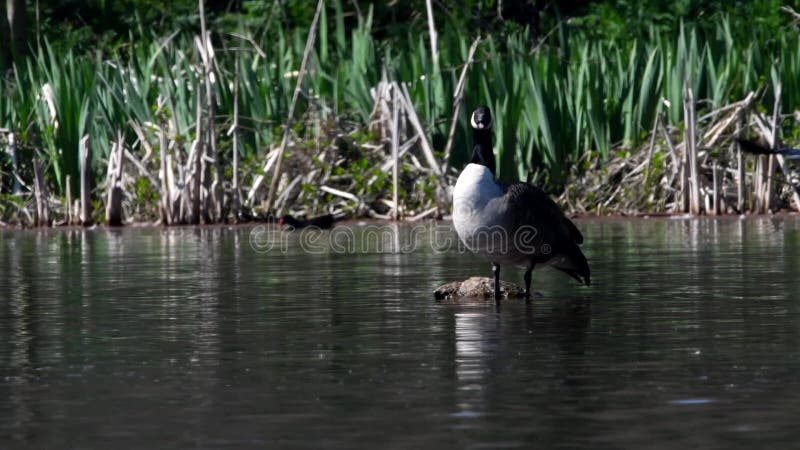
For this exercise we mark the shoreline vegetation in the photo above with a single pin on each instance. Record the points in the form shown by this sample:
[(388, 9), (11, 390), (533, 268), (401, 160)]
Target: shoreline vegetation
[(232, 125)]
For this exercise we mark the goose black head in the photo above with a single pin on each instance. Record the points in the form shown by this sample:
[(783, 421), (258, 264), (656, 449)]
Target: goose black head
[(481, 118), (481, 122), (288, 220)]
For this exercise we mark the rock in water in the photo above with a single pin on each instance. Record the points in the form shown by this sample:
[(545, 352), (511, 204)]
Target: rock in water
[(477, 287)]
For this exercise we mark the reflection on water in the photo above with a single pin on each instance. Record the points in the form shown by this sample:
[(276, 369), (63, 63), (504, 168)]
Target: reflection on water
[(471, 371), (190, 337)]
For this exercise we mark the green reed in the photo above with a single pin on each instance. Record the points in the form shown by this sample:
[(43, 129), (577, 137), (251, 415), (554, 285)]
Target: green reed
[(571, 95)]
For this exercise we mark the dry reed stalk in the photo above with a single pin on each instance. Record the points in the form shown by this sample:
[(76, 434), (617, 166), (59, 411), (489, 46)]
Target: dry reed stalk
[(340, 193), (174, 197), (788, 176), (458, 98), (215, 193), (740, 189), (716, 190), (12, 151), (211, 172), (691, 151), (312, 36), (69, 200), (280, 203), (442, 196), (40, 192), (114, 182), (140, 166), (774, 140), (184, 192), (395, 156), (403, 149), (84, 155), (684, 182), (433, 37), (142, 169), (741, 127), (684, 179), (236, 195), (651, 148), (379, 111), (166, 197), (196, 169), (758, 185), (408, 108), (442, 189), (424, 214), (715, 131), (789, 10), (630, 169), (768, 194), (673, 153), (391, 103)]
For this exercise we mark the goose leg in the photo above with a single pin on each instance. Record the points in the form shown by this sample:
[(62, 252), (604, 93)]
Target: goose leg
[(496, 272), (528, 283)]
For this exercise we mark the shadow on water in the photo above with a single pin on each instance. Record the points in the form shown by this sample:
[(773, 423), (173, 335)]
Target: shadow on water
[(238, 337)]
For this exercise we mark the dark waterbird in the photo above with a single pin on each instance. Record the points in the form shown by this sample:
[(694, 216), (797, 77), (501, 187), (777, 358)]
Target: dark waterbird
[(324, 222), (758, 149), (515, 223)]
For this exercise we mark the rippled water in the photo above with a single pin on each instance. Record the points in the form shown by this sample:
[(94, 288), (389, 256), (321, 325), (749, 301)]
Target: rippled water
[(689, 337)]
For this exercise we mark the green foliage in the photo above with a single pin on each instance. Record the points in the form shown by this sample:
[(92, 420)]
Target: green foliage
[(145, 200), (599, 79)]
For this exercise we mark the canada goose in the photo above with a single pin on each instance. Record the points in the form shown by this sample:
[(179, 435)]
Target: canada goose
[(515, 223), (758, 149), (324, 222)]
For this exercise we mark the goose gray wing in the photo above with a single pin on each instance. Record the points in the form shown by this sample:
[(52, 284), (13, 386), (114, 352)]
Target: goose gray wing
[(533, 207), (530, 206)]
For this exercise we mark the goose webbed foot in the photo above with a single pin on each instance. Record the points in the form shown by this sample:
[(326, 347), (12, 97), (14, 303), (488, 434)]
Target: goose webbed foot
[(496, 272), (528, 284)]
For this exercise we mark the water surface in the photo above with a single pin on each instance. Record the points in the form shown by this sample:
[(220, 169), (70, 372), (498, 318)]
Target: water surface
[(204, 338)]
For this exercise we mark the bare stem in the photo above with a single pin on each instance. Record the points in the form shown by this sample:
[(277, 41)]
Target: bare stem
[(312, 36)]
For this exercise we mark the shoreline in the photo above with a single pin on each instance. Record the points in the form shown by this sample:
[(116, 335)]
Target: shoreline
[(369, 221)]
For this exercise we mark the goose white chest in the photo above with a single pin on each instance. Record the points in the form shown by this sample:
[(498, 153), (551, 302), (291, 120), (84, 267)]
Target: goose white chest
[(474, 201)]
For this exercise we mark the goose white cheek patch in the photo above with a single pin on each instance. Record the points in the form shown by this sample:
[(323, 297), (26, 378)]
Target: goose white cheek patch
[(477, 125)]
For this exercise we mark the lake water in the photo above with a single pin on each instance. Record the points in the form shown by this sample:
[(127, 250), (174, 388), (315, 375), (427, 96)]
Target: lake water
[(689, 337)]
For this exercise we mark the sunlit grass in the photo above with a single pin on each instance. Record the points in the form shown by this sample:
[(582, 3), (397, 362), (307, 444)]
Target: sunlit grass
[(570, 96)]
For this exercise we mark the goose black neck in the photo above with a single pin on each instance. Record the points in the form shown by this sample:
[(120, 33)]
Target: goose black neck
[(482, 151)]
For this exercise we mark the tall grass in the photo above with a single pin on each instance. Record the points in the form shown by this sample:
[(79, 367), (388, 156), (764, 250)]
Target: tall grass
[(570, 96)]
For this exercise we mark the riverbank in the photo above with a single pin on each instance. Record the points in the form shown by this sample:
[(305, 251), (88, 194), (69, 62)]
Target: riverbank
[(353, 181), (586, 218), (216, 127)]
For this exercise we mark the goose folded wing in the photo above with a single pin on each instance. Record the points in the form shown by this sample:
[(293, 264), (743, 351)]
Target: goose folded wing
[(533, 207)]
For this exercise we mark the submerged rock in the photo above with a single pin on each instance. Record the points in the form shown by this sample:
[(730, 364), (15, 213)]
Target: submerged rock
[(476, 288)]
